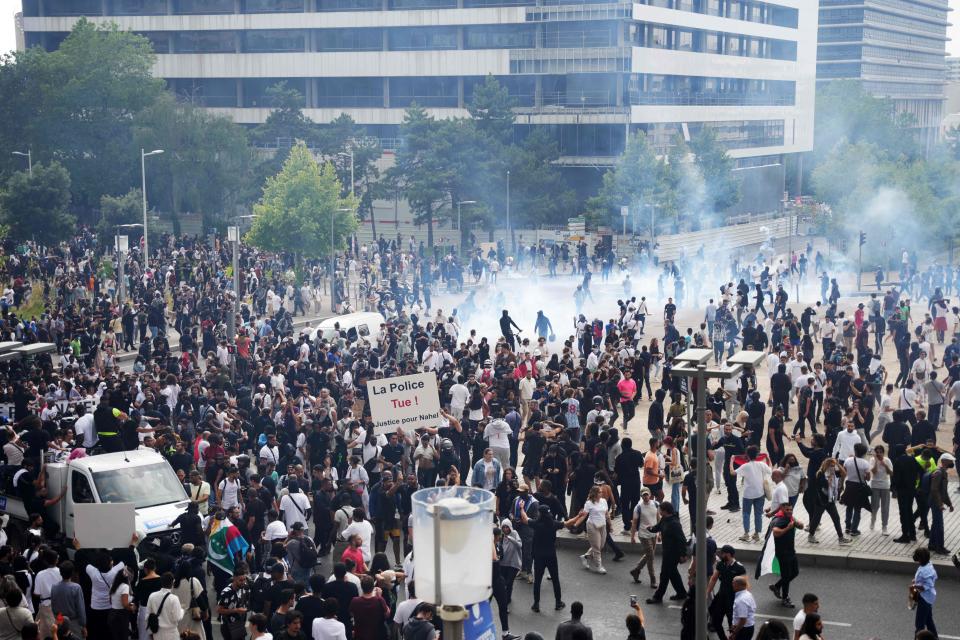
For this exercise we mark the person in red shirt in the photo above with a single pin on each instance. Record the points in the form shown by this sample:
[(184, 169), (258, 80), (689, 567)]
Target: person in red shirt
[(355, 552), (628, 391)]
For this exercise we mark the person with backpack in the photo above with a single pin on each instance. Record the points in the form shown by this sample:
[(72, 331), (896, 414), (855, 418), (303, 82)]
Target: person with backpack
[(163, 611), (301, 553)]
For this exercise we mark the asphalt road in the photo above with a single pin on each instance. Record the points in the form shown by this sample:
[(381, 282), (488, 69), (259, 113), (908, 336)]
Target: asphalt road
[(854, 605)]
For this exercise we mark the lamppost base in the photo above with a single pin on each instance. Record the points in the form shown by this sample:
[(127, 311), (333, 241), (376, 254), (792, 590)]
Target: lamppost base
[(452, 617)]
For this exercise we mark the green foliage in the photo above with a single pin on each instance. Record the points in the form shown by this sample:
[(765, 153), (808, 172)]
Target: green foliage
[(76, 104), (117, 210), (539, 193), (38, 207), (295, 211), (491, 108), (721, 185), (638, 178), (205, 163), (286, 120)]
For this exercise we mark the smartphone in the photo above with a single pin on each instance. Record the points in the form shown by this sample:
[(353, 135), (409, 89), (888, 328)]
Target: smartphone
[(633, 600)]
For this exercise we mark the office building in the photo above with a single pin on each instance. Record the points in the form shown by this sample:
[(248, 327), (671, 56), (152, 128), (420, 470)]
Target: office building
[(953, 70), (897, 49), (588, 72)]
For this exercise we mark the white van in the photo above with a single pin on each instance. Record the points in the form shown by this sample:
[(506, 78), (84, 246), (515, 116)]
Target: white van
[(363, 324)]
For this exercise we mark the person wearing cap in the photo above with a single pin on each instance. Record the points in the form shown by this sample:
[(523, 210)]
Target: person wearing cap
[(524, 502), (727, 568), (939, 499), (645, 515)]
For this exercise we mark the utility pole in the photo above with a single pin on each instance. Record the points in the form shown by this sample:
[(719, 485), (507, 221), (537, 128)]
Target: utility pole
[(509, 228), (143, 188), (233, 236), (863, 241)]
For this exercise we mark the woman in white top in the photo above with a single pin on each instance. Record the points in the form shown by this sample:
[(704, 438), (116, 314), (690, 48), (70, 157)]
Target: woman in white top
[(880, 472), (597, 515), (858, 472), (188, 590), (121, 606)]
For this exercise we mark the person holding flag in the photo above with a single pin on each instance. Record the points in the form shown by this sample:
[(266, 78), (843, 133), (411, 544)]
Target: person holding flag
[(225, 548), (780, 557)]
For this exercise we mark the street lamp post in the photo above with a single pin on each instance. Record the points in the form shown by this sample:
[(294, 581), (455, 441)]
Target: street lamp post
[(333, 258), (29, 156), (694, 367), (509, 229), (233, 236), (143, 191)]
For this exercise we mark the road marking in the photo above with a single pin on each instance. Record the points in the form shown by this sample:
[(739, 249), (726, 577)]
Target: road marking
[(835, 624)]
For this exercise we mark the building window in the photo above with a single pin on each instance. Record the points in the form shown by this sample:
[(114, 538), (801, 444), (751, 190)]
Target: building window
[(273, 6), (423, 4), (575, 35), (203, 6), (272, 41), (72, 8), (349, 92), (162, 41), (425, 91), (206, 42), (256, 90), (519, 36), (422, 38), (522, 89), (138, 7), (349, 5), (655, 89), (206, 92), (349, 39)]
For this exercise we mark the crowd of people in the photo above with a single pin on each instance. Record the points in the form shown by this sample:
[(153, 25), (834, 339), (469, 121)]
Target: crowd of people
[(272, 435)]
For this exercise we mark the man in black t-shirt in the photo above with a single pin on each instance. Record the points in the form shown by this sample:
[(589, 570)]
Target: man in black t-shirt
[(726, 570), (783, 528)]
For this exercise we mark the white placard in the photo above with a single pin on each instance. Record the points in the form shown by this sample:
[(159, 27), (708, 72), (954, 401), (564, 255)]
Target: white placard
[(104, 526), (408, 402)]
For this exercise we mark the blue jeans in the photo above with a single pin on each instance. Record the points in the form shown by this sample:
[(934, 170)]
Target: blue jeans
[(756, 504), (675, 498)]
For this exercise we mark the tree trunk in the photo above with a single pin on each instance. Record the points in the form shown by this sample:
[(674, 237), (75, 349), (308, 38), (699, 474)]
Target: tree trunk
[(430, 226)]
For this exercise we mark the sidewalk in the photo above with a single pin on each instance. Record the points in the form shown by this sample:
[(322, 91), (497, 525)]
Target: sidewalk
[(869, 551)]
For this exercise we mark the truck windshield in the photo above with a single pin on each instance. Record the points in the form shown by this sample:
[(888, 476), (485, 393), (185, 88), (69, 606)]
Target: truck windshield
[(146, 486)]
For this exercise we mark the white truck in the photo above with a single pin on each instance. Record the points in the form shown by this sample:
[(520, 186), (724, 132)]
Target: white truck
[(141, 477)]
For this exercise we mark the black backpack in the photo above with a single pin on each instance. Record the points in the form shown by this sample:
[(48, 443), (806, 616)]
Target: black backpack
[(308, 553)]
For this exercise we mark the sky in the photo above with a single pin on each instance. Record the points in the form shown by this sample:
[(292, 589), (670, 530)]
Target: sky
[(9, 7)]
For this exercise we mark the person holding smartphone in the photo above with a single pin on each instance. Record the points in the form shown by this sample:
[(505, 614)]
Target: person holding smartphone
[(635, 621)]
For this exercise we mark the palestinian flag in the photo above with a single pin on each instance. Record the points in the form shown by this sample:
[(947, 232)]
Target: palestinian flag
[(768, 557), (224, 545)]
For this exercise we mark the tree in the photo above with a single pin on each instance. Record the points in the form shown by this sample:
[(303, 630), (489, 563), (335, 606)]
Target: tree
[(286, 121), (206, 164), (294, 215), (539, 193), (418, 171), (77, 105), (119, 210), (721, 186), (637, 179), (38, 207), (491, 108)]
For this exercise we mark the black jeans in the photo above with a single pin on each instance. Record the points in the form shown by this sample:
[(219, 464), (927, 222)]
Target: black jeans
[(630, 410), (908, 528), (549, 564), (629, 496), (789, 569), (721, 607), (669, 573), (509, 576)]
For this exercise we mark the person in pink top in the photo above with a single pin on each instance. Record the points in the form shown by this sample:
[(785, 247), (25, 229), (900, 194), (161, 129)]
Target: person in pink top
[(628, 391)]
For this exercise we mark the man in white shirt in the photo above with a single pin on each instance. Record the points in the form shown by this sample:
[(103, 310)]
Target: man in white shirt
[(362, 528), (846, 440), (459, 395), (327, 627), (168, 609), (497, 433), (295, 506), (44, 582), (527, 386), (270, 452), (781, 494), (646, 514), (83, 427), (199, 492), (753, 473)]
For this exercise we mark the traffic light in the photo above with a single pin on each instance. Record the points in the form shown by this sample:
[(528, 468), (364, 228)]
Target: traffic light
[(863, 238)]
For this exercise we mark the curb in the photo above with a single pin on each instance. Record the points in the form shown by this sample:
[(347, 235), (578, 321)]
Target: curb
[(852, 560)]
